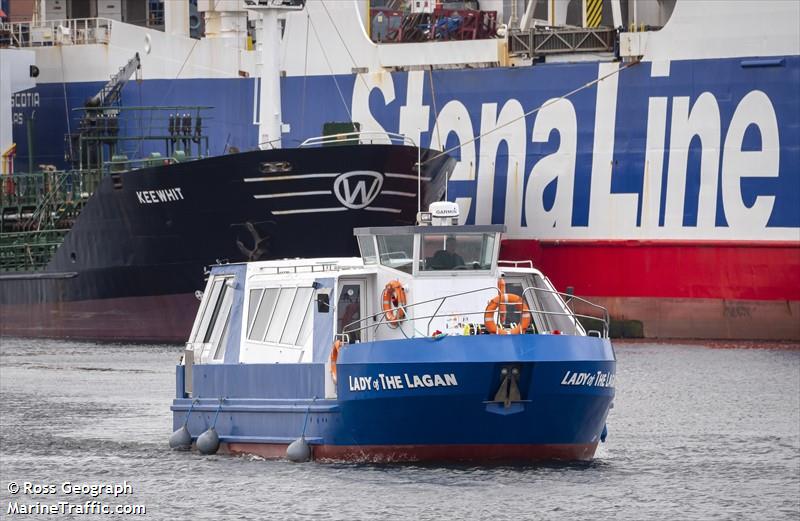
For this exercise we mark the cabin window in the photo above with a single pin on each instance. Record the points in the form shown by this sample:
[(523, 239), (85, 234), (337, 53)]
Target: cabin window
[(366, 244), (252, 307), (281, 315), (210, 333), (210, 305), (307, 327), (278, 322), (396, 251), (457, 251), (219, 336), (299, 309), (263, 314)]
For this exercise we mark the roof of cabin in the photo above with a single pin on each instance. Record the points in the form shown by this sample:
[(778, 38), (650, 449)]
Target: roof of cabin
[(407, 230)]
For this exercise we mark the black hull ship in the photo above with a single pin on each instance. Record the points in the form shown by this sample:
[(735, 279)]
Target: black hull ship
[(125, 263)]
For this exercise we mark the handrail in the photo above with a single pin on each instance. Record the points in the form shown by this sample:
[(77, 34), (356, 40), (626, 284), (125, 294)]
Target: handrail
[(315, 267), (382, 314), (72, 31), (516, 263), (349, 137), (605, 320), (380, 317)]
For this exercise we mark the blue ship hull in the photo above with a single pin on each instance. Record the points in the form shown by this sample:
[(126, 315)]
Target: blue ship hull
[(414, 400)]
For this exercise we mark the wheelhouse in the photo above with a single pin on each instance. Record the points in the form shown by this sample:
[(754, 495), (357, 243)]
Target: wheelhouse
[(292, 310)]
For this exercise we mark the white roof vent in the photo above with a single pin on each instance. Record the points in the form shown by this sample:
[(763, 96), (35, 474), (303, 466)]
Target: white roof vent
[(442, 213)]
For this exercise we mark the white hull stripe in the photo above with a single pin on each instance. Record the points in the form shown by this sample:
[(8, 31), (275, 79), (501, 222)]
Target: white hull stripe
[(293, 194), (379, 209), (406, 176), (401, 194), (286, 177), (339, 209), (308, 210)]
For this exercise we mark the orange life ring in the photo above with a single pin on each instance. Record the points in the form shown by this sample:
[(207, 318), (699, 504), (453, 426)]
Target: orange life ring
[(499, 302), (334, 357), (394, 298)]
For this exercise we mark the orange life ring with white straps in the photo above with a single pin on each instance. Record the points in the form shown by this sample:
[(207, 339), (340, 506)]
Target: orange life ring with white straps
[(499, 303), (334, 357), (394, 298)]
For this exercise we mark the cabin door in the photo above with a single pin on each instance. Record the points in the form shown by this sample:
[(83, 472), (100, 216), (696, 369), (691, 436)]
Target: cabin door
[(351, 308), (516, 285)]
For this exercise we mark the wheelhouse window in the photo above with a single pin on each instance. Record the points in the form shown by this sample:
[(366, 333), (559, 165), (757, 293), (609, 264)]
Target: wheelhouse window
[(396, 251), (366, 244), (458, 251), (297, 313), (280, 315), (263, 313)]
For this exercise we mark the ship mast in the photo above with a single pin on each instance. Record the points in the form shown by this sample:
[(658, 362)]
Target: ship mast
[(269, 39)]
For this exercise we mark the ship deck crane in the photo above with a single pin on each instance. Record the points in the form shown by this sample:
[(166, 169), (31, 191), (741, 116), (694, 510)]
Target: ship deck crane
[(99, 124)]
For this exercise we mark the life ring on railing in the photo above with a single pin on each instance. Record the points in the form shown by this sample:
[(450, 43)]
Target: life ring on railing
[(499, 303), (394, 298), (334, 357)]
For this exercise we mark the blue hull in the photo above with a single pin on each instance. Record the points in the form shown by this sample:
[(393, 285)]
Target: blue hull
[(413, 400)]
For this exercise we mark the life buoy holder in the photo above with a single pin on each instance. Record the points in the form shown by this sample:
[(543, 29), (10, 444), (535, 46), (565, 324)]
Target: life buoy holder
[(500, 303), (334, 357), (394, 300)]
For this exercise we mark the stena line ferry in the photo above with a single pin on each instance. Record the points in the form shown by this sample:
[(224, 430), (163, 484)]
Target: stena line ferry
[(643, 153), (426, 348)]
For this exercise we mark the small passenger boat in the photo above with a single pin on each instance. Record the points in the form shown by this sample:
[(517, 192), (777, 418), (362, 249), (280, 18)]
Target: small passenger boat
[(426, 348)]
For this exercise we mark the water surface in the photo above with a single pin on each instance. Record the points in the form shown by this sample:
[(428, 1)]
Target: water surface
[(696, 433)]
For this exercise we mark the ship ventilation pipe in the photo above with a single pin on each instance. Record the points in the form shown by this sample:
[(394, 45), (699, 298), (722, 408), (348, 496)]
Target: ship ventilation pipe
[(182, 439), (208, 442)]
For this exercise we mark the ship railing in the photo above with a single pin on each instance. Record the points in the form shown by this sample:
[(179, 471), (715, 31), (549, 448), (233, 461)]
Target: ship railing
[(516, 263), (475, 319), (51, 203), (27, 189), (116, 166), (604, 320), (26, 251), (540, 41), (74, 31), (311, 267), (363, 136)]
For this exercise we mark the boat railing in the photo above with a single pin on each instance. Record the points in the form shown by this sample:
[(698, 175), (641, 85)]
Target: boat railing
[(379, 319), (363, 136), (312, 267), (604, 320), (123, 165), (150, 135), (515, 263), (27, 251), (24, 189), (540, 41), (74, 31)]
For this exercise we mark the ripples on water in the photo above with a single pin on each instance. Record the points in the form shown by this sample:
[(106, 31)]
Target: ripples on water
[(696, 433)]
